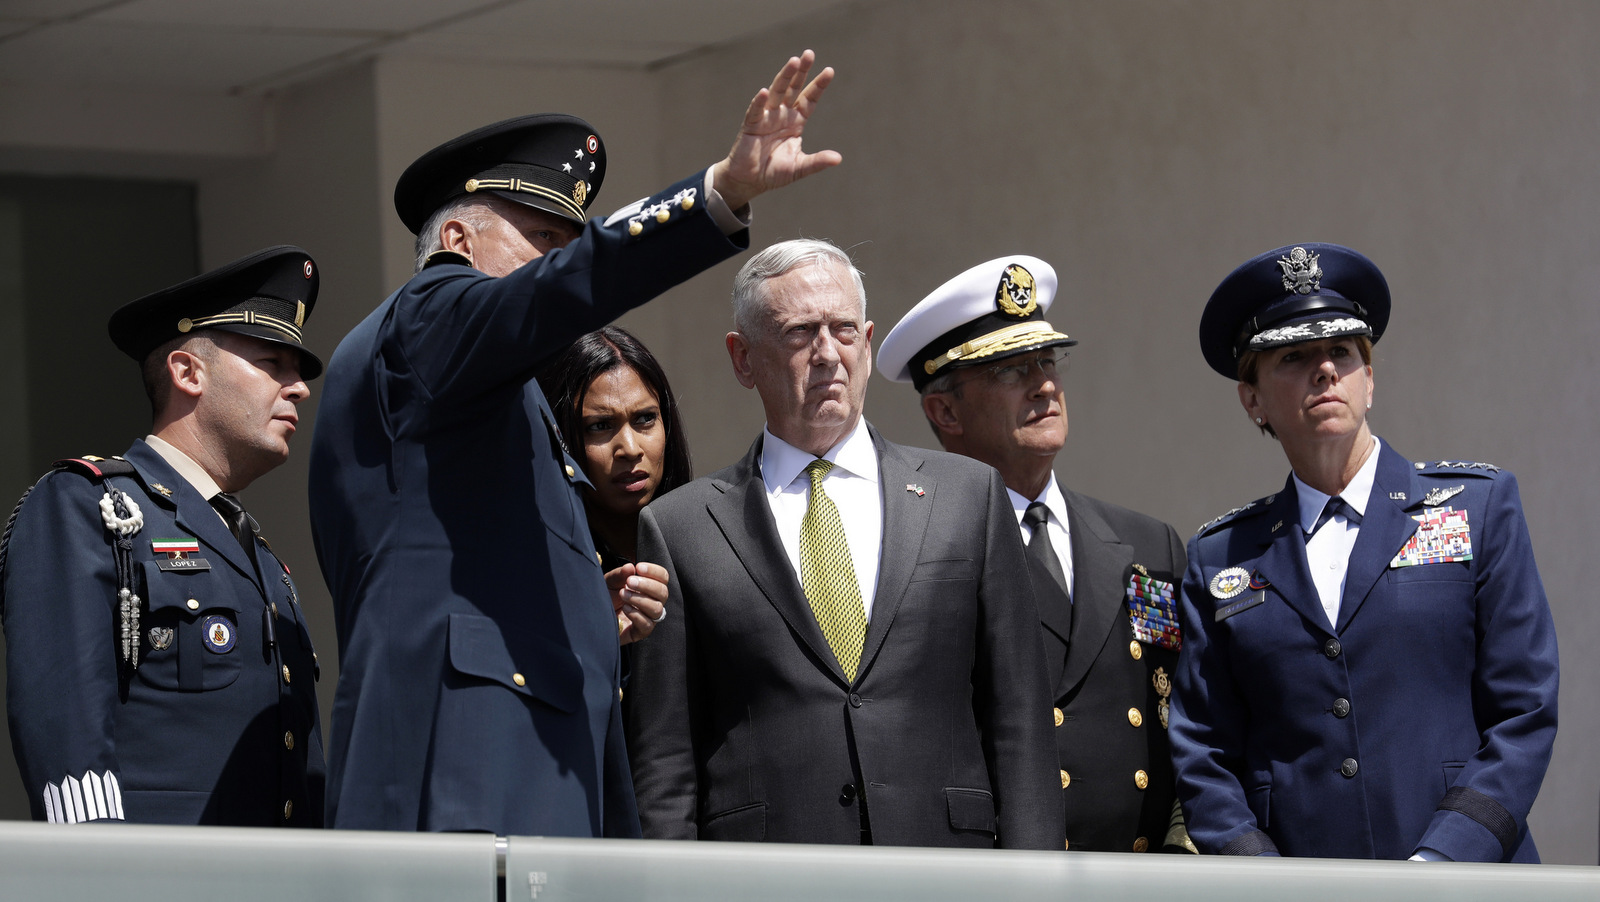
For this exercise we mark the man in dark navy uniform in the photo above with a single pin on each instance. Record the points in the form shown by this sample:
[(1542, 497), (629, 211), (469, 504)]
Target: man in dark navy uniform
[(479, 657), (159, 666), (989, 368)]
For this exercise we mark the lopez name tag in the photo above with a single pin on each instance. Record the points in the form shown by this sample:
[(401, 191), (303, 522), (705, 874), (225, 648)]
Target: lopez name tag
[(1442, 537)]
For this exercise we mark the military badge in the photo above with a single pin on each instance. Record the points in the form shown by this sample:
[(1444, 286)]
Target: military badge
[(580, 192), (1229, 582), (1301, 274), (160, 637), (1442, 537), (175, 548), (1438, 496), (1163, 684), (1153, 611), (915, 488), (165, 492), (219, 633), (1016, 294)]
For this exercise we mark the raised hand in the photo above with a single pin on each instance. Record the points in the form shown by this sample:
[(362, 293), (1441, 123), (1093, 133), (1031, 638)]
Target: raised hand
[(768, 154)]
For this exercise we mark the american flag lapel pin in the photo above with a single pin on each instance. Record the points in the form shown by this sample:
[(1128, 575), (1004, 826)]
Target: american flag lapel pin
[(915, 488)]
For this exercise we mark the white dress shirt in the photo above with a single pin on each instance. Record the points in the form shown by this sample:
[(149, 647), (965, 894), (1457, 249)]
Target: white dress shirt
[(186, 467), (852, 485), (1056, 525), (1328, 552)]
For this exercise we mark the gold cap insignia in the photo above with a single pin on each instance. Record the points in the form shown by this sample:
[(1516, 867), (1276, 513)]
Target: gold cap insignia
[(299, 314), (580, 192), (1016, 294)]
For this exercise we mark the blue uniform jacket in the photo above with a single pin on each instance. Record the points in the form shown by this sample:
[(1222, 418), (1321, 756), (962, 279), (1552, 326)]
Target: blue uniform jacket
[(1424, 718), (219, 723), (478, 649)]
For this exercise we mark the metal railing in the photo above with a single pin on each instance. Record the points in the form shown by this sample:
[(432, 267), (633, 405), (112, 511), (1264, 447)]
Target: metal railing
[(131, 863)]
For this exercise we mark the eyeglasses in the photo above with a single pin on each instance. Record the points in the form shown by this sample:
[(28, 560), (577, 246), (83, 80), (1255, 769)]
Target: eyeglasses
[(1051, 363)]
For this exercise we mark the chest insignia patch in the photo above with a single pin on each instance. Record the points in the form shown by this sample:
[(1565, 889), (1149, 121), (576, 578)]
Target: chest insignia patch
[(1229, 582), (1153, 611), (1442, 537), (1438, 496), (1163, 684), (160, 637), (220, 635)]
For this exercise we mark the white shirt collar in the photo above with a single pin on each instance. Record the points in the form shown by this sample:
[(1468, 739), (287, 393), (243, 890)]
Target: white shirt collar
[(186, 467), (782, 463), (1356, 494), (1051, 497)]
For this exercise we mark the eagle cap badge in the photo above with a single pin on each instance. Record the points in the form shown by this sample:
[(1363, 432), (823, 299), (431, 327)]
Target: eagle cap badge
[(1301, 274), (1017, 293)]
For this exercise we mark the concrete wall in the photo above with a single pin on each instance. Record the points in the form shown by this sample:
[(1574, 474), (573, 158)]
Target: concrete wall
[(1145, 148)]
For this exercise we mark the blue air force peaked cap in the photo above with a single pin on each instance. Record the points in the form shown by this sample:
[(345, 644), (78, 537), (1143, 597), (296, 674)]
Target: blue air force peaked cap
[(267, 295), (549, 161), (991, 311), (1301, 292)]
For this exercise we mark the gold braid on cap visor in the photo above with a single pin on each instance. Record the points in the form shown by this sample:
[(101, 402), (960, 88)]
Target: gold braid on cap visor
[(248, 317), (1007, 339)]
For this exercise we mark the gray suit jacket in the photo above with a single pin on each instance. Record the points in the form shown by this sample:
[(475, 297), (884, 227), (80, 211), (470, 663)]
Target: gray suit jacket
[(741, 725)]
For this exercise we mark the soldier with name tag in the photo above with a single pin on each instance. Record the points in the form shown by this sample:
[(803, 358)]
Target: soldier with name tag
[(990, 371), (1369, 665), (159, 668)]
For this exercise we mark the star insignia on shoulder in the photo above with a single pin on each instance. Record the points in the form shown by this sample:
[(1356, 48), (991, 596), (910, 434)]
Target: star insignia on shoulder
[(1236, 511), (161, 488)]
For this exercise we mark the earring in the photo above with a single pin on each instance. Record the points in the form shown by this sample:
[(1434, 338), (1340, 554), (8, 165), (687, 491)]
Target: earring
[(1258, 421)]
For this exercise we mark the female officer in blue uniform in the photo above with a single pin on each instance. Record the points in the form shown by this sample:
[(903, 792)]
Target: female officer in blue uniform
[(1369, 667)]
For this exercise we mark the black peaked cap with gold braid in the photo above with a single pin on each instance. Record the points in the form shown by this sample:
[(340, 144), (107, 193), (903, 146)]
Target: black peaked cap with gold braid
[(992, 311), (550, 161), (267, 295)]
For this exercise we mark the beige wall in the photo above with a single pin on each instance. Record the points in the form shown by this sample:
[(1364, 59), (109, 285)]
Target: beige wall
[(1145, 148)]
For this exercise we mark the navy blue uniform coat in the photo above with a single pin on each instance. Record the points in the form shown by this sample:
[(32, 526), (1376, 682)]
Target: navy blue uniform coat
[(1447, 674), (197, 736), (743, 726), (478, 647), (1096, 680)]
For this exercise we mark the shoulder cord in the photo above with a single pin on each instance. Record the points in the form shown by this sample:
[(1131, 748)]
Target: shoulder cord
[(123, 519), (5, 541)]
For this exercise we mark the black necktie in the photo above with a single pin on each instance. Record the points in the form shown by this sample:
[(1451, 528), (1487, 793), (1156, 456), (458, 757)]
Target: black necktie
[(1042, 554), (239, 523), (1334, 507)]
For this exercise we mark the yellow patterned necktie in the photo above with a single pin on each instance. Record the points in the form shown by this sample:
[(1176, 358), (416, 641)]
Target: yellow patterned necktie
[(828, 577)]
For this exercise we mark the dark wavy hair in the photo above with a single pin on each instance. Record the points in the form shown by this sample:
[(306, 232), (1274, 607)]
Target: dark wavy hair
[(567, 377)]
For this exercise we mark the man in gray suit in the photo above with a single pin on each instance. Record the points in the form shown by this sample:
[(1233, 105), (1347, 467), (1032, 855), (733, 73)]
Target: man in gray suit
[(850, 652)]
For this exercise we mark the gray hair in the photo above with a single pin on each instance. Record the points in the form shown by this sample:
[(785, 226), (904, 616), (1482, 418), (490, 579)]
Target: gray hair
[(474, 211), (748, 298)]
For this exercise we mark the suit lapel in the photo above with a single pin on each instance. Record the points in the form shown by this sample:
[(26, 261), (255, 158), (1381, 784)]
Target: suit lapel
[(1283, 559), (745, 518), (192, 512), (1100, 566), (905, 522), (1385, 528)]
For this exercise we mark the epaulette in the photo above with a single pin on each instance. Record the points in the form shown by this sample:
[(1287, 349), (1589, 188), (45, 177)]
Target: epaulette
[(96, 467), (1261, 503), (1456, 467)]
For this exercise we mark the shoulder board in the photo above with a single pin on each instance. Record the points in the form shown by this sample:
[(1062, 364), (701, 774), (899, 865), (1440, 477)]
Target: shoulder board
[(95, 467), (1453, 468), (1258, 505)]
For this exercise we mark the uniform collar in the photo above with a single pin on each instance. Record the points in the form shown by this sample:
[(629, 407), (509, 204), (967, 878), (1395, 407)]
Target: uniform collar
[(782, 463), (1356, 494), (1051, 498), (186, 467)]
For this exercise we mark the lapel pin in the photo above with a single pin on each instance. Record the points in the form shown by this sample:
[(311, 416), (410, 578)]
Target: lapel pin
[(162, 489), (1277, 526), (1397, 496), (915, 488)]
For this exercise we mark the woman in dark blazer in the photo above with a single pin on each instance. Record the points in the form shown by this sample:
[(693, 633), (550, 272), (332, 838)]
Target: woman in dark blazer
[(1369, 663)]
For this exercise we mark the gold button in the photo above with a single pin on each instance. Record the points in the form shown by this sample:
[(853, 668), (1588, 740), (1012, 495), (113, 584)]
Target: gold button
[(687, 203), (619, 693), (1135, 649), (286, 673), (274, 609), (1066, 779), (1067, 845), (1141, 845), (1060, 718), (288, 740), (597, 558), (1134, 717), (635, 227), (1141, 779), (519, 679), (472, 185), (185, 324), (663, 215), (193, 605), (288, 809), (569, 471)]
